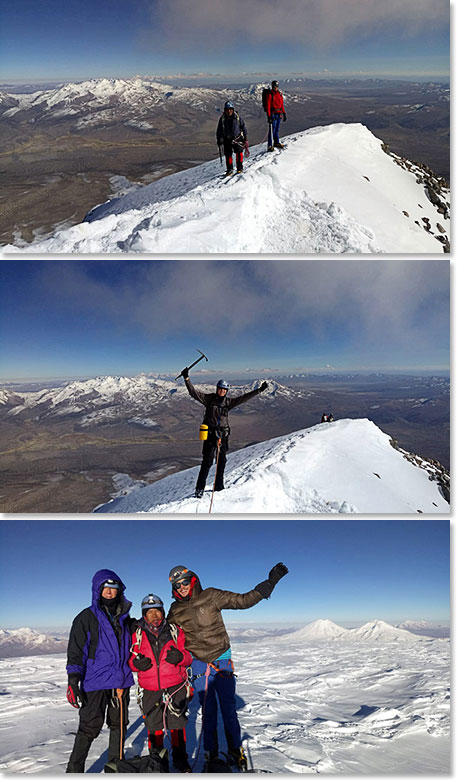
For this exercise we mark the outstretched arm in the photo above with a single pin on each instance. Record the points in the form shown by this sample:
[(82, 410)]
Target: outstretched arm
[(241, 399)]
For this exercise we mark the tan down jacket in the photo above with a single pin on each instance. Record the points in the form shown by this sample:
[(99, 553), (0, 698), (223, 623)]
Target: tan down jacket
[(201, 620)]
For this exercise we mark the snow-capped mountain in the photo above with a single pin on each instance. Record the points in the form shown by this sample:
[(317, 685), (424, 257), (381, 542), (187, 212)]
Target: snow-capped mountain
[(105, 101), (373, 631), (120, 398), (318, 630), (26, 641), (343, 467), (333, 189), (380, 631)]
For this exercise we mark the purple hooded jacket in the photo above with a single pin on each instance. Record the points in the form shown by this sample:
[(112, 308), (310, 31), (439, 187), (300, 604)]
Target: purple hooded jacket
[(94, 652)]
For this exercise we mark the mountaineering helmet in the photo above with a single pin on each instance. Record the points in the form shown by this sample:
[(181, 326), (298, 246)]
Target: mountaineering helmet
[(114, 584), (179, 573), (274, 83), (151, 601), (222, 383), (228, 104)]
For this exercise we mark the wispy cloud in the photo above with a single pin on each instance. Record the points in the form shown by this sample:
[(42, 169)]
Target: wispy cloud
[(387, 302), (315, 23)]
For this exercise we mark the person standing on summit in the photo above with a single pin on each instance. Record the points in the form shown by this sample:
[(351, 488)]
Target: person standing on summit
[(99, 677), (231, 133), (217, 407), (198, 612), (275, 110)]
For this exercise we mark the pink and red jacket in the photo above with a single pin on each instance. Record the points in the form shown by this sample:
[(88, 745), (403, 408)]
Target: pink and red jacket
[(162, 674)]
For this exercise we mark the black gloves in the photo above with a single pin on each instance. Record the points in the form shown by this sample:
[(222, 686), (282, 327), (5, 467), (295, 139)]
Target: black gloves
[(263, 386), (266, 587), (284, 118), (277, 572), (174, 656), (142, 663), (185, 372), (75, 696), (270, 120)]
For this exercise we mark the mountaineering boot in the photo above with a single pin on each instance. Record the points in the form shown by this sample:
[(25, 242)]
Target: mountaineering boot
[(229, 171), (279, 145), (198, 492), (239, 169), (79, 754), (180, 760), (270, 149), (237, 755), (219, 488)]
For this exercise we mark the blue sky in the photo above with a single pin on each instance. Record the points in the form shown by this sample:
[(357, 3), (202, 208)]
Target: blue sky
[(344, 570), (76, 39), (88, 318)]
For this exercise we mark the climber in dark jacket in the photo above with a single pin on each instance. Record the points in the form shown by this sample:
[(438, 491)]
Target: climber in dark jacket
[(198, 613), (99, 677), (232, 134), (217, 406)]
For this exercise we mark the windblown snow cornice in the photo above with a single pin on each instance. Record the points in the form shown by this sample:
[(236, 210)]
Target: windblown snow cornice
[(348, 466), (335, 189)]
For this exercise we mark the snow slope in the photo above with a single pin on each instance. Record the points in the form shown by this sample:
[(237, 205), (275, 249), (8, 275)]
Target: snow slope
[(332, 190), (345, 466), (321, 707)]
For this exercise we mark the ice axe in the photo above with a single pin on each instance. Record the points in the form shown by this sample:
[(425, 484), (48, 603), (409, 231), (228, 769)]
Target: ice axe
[(194, 363)]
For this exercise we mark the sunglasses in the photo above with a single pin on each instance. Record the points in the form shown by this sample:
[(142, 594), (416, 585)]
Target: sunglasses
[(182, 582)]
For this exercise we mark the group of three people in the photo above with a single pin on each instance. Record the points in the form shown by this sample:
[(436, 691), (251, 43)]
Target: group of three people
[(188, 649)]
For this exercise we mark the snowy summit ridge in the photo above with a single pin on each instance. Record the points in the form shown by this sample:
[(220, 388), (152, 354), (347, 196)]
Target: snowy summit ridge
[(342, 467), (333, 189)]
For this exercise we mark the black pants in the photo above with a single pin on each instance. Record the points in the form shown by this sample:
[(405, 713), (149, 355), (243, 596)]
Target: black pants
[(229, 147), (209, 453), (91, 719), (153, 708)]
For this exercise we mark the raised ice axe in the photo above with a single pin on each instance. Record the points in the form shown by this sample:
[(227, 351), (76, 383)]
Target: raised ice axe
[(194, 363)]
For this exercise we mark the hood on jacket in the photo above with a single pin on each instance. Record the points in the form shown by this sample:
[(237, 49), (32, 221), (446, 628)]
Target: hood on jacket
[(97, 581)]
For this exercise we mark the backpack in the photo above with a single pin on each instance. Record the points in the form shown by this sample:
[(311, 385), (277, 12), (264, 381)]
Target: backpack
[(141, 764), (265, 92)]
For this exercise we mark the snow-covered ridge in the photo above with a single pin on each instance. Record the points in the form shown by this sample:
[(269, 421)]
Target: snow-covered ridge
[(333, 189), (343, 467)]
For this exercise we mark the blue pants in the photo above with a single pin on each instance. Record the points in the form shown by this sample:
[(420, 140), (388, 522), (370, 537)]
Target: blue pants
[(274, 127), (222, 684)]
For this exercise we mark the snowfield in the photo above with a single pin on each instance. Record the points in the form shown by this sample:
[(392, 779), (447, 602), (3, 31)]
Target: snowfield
[(342, 467), (332, 190), (304, 707)]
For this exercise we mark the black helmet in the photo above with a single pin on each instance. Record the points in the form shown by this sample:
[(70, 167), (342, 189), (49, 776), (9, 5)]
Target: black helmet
[(228, 104), (178, 573), (274, 83), (223, 384)]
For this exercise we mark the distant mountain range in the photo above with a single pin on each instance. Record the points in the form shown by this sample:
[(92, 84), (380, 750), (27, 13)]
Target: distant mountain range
[(373, 631), (26, 641), (108, 399), (104, 101)]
